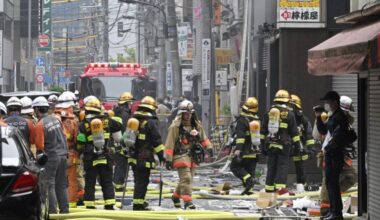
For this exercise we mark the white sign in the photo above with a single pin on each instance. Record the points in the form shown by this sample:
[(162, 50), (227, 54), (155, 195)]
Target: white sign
[(221, 78), (1, 54), (169, 76), (182, 40), (40, 69), (187, 82), (299, 11), (206, 62)]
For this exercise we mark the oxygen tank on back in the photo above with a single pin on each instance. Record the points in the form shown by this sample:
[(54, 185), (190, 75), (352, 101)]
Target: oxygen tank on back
[(129, 136), (97, 132), (274, 121), (254, 129)]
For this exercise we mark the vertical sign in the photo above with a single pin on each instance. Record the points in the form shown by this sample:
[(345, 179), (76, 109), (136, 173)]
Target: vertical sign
[(1, 56), (206, 62), (182, 40), (46, 26), (169, 76), (217, 13)]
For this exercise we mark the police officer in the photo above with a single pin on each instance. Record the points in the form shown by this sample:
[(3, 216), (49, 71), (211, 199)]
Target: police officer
[(51, 140), (94, 132), (335, 141), (14, 118), (122, 114), (307, 141), (243, 164), (148, 143), (279, 128), (64, 110), (185, 147)]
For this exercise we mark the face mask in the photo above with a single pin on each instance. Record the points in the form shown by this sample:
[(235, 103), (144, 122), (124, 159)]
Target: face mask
[(327, 107)]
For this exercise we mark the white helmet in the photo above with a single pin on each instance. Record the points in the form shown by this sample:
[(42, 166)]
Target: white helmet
[(66, 100), (14, 102), (26, 105), (3, 109), (346, 103), (185, 106), (52, 99), (40, 101)]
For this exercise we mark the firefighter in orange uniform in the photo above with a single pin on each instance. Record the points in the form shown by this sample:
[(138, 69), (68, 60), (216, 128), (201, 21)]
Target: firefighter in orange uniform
[(186, 146)]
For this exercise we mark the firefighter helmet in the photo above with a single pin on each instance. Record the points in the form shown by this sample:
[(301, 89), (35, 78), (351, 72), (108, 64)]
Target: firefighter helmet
[(125, 97), (295, 100), (133, 124), (185, 106), (346, 103), (40, 102), (26, 105), (14, 102), (148, 102), (282, 96), (251, 105), (3, 109), (92, 104)]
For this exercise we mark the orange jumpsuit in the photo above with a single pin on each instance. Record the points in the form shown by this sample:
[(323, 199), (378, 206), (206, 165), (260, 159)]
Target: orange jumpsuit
[(70, 126)]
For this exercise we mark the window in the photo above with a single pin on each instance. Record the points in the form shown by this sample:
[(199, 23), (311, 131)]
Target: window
[(10, 152)]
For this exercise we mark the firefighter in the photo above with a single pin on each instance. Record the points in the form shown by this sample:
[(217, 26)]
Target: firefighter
[(27, 110), (243, 164), (64, 109), (93, 136), (122, 113), (279, 132), (147, 143), (50, 139), (307, 141), (14, 118), (185, 148)]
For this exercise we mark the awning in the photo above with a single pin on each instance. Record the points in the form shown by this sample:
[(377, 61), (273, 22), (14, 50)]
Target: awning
[(345, 52)]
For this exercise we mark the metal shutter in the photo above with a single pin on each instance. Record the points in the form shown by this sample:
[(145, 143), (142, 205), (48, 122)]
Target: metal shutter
[(348, 85), (373, 145)]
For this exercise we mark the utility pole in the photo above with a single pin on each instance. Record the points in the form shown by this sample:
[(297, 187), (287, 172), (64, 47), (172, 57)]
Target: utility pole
[(161, 79), (105, 34), (138, 12), (67, 52), (30, 66), (203, 67), (173, 55)]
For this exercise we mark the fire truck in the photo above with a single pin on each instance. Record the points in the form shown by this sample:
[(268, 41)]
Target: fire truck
[(108, 80)]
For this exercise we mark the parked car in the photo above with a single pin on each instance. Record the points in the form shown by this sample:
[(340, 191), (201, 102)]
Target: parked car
[(23, 189)]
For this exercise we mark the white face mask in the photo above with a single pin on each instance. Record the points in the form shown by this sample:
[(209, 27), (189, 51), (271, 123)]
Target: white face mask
[(327, 107)]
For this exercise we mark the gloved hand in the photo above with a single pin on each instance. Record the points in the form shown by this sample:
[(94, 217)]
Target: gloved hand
[(169, 165), (161, 157), (210, 152), (41, 158)]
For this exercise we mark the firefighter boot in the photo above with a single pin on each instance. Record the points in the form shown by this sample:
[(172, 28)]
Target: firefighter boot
[(140, 207), (248, 186), (176, 201), (189, 205), (108, 207)]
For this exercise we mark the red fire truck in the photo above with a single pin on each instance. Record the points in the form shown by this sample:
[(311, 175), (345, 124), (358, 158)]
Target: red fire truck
[(108, 80)]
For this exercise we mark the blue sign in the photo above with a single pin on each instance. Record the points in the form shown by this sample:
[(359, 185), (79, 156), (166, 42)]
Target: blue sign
[(48, 79), (40, 61), (62, 69)]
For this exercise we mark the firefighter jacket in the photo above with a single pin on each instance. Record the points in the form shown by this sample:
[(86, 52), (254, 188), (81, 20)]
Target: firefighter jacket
[(306, 137), (148, 141), (122, 114), (26, 126), (287, 132), (178, 144), (85, 139), (337, 127), (50, 137), (243, 135)]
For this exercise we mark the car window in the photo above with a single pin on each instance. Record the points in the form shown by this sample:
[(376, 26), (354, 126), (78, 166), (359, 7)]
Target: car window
[(10, 152), (20, 140)]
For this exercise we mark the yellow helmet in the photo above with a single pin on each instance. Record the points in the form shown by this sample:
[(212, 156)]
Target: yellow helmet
[(251, 105), (296, 101), (92, 104), (125, 97), (282, 96), (148, 102)]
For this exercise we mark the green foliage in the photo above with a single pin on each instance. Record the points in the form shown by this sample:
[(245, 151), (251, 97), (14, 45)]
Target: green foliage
[(128, 57), (226, 110), (57, 89)]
